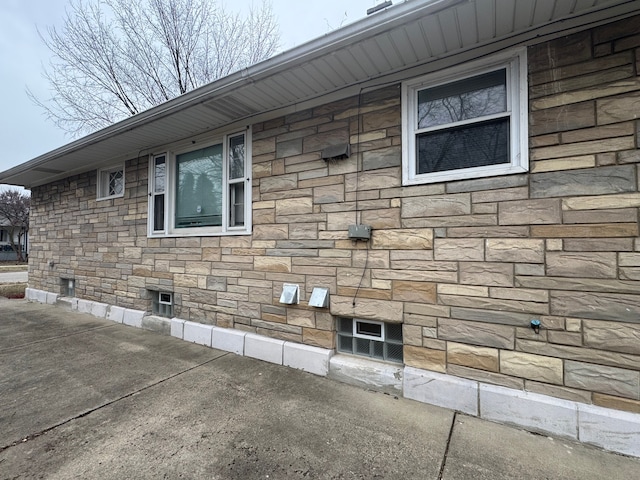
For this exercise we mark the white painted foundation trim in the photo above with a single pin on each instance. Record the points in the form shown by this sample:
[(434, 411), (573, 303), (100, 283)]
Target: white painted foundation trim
[(116, 314), (442, 390), (133, 318), (613, 430), (93, 308), (533, 411), (156, 323), (197, 333), (305, 357), (177, 328), (609, 429), (52, 298), (366, 373), (263, 348), (228, 340)]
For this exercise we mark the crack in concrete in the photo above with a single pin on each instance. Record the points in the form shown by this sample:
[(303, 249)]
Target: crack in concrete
[(32, 436), (446, 450)]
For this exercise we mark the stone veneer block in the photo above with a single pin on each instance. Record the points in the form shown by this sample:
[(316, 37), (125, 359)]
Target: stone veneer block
[(305, 357), (442, 390), (365, 373), (177, 328), (589, 181), (529, 410), (610, 429), (263, 348), (133, 318), (197, 333), (228, 340), (115, 314)]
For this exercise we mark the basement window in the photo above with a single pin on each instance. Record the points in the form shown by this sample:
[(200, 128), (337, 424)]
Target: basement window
[(369, 338), (162, 303), (111, 182), (67, 287)]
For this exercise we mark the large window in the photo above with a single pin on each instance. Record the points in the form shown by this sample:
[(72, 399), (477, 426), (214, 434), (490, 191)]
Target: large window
[(111, 182), (201, 191), (466, 122)]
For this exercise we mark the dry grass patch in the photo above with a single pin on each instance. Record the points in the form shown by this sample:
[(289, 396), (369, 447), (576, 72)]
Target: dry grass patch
[(12, 290)]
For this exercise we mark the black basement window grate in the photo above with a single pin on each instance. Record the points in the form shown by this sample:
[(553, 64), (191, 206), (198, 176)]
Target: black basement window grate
[(368, 338)]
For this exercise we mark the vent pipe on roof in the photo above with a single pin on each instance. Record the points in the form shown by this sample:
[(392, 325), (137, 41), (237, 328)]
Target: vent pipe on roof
[(377, 8)]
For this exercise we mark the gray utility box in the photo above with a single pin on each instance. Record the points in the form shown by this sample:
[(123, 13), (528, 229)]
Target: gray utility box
[(360, 232)]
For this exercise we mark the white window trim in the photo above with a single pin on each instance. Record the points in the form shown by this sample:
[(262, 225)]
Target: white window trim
[(515, 62), (170, 188), (101, 186), (382, 336)]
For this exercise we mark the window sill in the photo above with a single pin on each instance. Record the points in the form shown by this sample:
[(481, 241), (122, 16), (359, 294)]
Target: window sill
[(199, 234), (466, 174), (99, 199)]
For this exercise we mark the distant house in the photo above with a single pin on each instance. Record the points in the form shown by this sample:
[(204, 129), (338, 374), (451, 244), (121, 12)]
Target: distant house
[(439, 200), (6, 232)]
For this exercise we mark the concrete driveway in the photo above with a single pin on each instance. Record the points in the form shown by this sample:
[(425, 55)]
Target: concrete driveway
[(87, 398)]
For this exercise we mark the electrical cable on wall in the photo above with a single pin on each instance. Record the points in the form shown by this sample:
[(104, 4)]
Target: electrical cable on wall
[(359, 166)]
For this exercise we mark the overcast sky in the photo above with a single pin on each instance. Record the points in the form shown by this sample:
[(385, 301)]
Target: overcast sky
[(24, 131)]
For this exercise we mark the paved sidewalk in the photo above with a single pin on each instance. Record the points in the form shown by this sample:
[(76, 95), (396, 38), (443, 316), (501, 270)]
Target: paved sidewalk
[(87, 398), (14, 277)]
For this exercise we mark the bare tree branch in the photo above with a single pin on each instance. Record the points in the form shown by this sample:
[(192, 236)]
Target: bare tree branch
[(116, 58)]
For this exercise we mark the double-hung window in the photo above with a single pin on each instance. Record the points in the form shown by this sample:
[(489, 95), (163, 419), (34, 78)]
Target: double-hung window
[(466, 122), (111, 182), (203, 190)]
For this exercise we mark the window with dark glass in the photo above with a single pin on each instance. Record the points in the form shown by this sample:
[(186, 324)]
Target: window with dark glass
[(467, 122), (463, 124)]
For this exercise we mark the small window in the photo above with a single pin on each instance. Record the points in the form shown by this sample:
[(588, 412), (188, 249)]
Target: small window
[(162, 303), (466, 122), (68, 287), (110, 182), (369, 338)]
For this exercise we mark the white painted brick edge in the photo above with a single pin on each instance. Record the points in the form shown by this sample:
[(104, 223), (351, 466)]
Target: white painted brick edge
[(609, 429), (263, 348), (367, 373), (197, 333), (177, 328), (308, 358), (442, 390), (228, 340)]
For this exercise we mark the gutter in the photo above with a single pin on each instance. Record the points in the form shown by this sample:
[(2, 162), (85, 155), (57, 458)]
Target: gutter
[(306, 52)]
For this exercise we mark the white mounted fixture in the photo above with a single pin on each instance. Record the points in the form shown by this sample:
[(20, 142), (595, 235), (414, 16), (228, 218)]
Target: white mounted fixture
[(290, 294)]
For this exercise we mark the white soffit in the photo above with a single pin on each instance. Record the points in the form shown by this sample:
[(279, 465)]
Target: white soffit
[(375, 49)]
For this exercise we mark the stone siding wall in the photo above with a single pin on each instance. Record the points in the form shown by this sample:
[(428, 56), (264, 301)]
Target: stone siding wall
[(464, 265)]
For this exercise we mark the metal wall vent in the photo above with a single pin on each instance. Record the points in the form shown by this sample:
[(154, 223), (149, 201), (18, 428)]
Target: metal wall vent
[(319, 297), (290, 294)]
